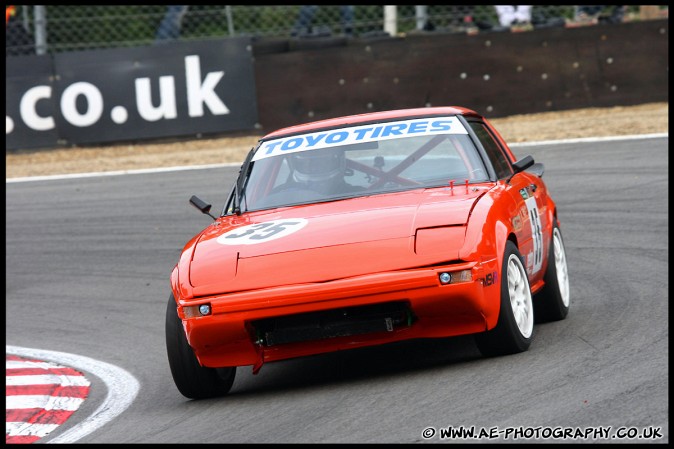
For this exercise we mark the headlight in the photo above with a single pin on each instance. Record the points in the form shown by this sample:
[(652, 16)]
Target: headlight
[(197, 311), (455, 277)]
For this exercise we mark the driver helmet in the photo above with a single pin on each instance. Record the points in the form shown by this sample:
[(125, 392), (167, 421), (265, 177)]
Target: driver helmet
[(318, 166)]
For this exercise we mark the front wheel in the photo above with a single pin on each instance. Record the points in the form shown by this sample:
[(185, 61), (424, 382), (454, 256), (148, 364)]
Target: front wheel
[(193, 380), (514, 330), (553, 301)]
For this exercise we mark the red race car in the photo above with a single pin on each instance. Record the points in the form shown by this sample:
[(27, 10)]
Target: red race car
[(365, 230)]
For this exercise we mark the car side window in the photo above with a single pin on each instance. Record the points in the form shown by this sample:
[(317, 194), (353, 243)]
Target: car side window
[(498, 159)]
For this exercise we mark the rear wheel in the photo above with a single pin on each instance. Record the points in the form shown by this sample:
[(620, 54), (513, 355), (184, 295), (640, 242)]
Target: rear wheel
[(193, 380), (515, 326), (553, 301)]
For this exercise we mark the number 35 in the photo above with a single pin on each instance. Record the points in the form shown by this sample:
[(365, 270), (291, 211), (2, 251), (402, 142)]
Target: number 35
[(262, 231)]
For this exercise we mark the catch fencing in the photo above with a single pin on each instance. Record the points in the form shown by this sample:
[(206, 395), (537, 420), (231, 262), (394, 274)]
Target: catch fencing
[(49, 29)]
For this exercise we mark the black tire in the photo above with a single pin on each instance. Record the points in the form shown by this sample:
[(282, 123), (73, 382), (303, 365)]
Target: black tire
[(507, 337), (193, 380), (553, 301)]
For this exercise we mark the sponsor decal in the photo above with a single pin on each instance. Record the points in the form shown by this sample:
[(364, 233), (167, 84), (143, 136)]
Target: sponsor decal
[(536, 234), (517, 223), (490, 279), (528, 261), (360, 134), (262, 232), (524, 193)]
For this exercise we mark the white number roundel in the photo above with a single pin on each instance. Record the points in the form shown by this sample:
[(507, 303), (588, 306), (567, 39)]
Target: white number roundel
[(262, 232)]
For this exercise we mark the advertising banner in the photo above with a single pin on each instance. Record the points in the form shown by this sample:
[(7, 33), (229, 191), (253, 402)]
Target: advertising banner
[(30, 108), (175, 89)]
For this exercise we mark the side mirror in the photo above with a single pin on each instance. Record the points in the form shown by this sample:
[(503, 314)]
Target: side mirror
[(537, 169), (203, 206), (523, 164)]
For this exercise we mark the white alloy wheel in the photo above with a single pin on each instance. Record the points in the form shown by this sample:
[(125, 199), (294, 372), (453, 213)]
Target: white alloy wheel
[(553, 300), (520, 296), (560, 267), (515, 326)]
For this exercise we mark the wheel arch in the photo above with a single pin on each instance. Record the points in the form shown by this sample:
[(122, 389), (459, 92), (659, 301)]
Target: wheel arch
[(493, 306)]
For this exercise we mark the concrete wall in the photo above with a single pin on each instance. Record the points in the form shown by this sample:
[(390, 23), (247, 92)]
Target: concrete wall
[(497, 74)]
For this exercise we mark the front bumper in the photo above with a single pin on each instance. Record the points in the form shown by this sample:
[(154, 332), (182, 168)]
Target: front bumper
[(409, 304)]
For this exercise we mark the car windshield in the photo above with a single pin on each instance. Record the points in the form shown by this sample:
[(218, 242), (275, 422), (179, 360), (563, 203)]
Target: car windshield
[(361, 161)]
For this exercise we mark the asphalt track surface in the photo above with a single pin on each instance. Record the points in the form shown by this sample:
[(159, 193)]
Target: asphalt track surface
[(87, 272)]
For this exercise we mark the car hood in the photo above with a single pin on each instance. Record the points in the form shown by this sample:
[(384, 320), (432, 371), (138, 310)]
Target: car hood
[(326, 241)]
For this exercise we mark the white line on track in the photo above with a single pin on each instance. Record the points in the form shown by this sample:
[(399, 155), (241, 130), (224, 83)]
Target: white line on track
[(45, 379), (121, 172), (237, 164), (122, 388), (590, 139)]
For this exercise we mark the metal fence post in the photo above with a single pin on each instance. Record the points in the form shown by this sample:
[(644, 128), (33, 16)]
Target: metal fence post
[(391, 20), (40, 29), (422, 16), (230, 22)]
